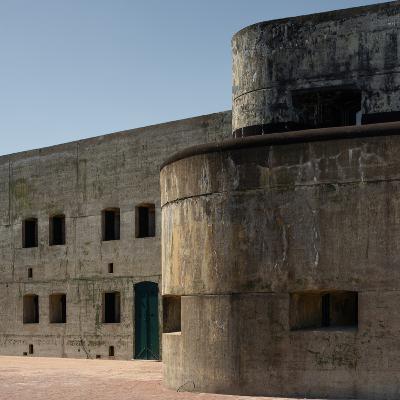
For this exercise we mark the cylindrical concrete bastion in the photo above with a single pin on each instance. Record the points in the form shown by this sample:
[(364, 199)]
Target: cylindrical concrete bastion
[(281, 265), (331, 69)]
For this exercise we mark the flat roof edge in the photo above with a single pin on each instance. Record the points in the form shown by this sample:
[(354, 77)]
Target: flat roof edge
[(137, 130)]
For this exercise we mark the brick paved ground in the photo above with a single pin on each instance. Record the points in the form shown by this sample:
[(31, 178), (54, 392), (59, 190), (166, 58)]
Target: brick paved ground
[(23, 378)]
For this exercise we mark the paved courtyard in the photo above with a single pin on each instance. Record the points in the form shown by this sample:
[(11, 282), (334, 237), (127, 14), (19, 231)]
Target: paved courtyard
[(26, 378)]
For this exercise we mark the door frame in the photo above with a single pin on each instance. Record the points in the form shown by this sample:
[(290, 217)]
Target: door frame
[(135, 291)]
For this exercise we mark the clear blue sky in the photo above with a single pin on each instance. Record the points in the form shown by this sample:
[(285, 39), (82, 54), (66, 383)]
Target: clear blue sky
[(72, 69)]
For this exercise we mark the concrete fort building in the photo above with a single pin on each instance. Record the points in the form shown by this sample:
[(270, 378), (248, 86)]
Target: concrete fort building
[(80, 251), (281, 247)]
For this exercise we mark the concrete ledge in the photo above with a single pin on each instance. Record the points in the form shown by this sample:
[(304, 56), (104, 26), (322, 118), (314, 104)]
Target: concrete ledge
[(286, 138)]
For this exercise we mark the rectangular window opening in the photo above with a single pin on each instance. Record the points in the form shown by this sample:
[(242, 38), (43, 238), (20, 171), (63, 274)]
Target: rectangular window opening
[(327, 107), (111, 351), (111, 268), (145, 221), (30, 273), (315, 310), (31, 309), (325, 309), (171, 314), (58, 308), (30, 233), (111, 224), (31, 349), (98, 356), (111, 307), (57, 230)]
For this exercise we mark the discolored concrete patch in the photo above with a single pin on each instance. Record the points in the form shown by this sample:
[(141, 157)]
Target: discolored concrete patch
[(59, 378)]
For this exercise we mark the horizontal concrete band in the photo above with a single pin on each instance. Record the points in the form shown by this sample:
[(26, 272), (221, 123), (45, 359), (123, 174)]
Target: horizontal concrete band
[(265, 129), (286, 138)]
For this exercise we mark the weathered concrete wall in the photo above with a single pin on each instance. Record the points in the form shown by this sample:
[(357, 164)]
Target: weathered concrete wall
[(356, 48), (249, 222), (81, 179)]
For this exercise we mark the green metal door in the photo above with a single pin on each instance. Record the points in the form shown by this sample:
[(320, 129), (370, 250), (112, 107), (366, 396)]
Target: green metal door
[(146, 321)]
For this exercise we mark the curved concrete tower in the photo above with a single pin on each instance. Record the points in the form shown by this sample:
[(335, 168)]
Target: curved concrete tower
[(319, 70), (280, 252)]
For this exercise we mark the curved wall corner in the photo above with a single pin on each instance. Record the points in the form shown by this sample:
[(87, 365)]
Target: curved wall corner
[(256, 230)]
